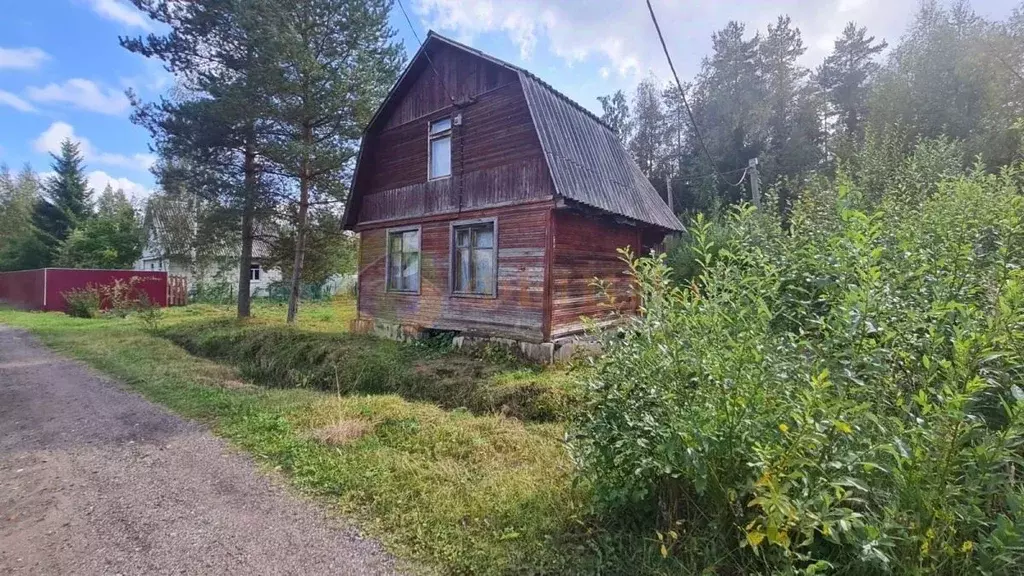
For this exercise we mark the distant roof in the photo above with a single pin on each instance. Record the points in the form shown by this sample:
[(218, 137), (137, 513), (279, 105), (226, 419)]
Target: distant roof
[(588, 163), (171, 224)]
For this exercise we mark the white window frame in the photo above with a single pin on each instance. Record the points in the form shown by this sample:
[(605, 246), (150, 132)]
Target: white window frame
[(387, 258), (431, 137), (452, 271), (258, 272)]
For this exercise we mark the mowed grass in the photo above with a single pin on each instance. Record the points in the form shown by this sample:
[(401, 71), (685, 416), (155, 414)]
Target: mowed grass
[(327, 316), (451, 491)]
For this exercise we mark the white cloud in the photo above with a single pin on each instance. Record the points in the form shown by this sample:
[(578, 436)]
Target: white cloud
[(84, 94), (12, 100), (120, 12), (98, 181), (49, 142), (619, 36), (22, 58)]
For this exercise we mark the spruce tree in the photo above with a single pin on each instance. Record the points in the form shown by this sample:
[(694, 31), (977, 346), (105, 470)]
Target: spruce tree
[(65, 204)]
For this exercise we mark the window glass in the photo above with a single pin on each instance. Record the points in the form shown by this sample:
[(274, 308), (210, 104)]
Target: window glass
[(441, 157), (254, 272), (404, 261), (441, 126), (473, 263)]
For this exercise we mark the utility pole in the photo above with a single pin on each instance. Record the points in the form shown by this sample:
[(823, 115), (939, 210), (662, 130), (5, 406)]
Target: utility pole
[(755, 182), (668, 193)]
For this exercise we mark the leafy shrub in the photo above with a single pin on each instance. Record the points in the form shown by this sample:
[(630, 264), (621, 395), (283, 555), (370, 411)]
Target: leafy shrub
[(349, 363), (82, 302), (124, 297), (148, 312), (844, 397), (212, 293)]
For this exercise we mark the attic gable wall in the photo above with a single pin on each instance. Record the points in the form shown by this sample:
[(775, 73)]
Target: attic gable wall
[(497, 158), (460, 75)]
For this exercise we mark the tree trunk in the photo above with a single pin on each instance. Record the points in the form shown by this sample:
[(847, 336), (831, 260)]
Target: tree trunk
[(248, 210), (300, 233)]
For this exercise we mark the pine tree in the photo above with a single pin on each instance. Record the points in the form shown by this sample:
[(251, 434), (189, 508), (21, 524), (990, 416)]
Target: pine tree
[(65, 204), (615, 113), (330, 63), (647, 141), (845, 79), (794, 131), (728, 104), (216, 123)]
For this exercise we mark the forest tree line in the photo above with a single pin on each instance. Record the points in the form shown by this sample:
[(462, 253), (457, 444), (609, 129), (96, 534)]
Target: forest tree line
[(59, 221), (954, 80)]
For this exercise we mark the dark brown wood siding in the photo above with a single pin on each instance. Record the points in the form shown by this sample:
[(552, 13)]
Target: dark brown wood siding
[(585, 248), (496, 155), (516, 312), (459, 75)]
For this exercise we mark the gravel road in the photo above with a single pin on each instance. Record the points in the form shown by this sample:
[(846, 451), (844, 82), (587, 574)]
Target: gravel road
[(96, 480)]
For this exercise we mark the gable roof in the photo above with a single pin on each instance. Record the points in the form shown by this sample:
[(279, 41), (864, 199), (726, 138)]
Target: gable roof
[(170, 225), (586, 160)]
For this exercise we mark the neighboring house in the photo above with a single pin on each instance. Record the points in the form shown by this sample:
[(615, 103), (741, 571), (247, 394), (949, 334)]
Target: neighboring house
[(487, 203), (170, 229)]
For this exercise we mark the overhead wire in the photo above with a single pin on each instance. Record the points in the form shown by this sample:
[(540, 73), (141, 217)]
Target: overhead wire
[(425, 53), (686, 103)]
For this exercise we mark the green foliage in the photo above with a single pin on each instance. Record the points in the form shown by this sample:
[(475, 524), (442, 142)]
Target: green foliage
[(83, 302), (349, 363), (329, 250), (20, 246), (65, 205), (112, 238), (844, 397), (845, 78)]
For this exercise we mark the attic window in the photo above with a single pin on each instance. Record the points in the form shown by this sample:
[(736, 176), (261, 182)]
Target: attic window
[(439, 165)]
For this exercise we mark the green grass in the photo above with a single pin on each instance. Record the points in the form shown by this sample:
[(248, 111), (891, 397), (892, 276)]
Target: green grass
[(452, 491), (286, 357)]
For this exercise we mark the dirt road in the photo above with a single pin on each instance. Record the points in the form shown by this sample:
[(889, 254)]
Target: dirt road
[(96, 480)]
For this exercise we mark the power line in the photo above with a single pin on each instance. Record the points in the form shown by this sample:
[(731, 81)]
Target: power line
[(716, 173), (425, 53), (682, 93)]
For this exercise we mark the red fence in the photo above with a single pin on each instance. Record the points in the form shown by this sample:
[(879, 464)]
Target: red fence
[(24, 289), (42, 289)]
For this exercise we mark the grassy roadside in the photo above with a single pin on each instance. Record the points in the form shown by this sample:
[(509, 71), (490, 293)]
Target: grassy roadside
[(457, 492)]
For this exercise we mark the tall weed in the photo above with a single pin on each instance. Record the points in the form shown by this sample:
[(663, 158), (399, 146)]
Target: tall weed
[(841, 397)]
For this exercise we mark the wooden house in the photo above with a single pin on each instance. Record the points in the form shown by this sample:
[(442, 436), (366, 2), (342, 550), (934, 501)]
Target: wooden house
[(487, 203)]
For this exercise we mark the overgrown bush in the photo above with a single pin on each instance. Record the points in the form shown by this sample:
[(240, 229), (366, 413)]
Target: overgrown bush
[(124, 297), (842, 397), (82, 302), (349, 363)]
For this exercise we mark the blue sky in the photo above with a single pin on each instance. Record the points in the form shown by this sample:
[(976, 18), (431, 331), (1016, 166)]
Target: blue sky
[(63, 74)]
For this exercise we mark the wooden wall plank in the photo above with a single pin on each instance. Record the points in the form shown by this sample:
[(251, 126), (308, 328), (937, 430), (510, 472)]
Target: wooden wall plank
[(585, 247), (516, 312)]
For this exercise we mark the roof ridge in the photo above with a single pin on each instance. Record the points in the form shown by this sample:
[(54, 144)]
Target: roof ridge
[(538, 79)]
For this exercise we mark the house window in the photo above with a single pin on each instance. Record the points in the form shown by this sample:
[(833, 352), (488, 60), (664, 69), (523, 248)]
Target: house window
[(440, 161), (474, 269), (403, 263), (254, 272)]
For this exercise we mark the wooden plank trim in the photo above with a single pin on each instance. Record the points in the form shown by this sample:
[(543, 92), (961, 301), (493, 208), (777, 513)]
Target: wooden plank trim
[(447, 215), (548, 263)]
